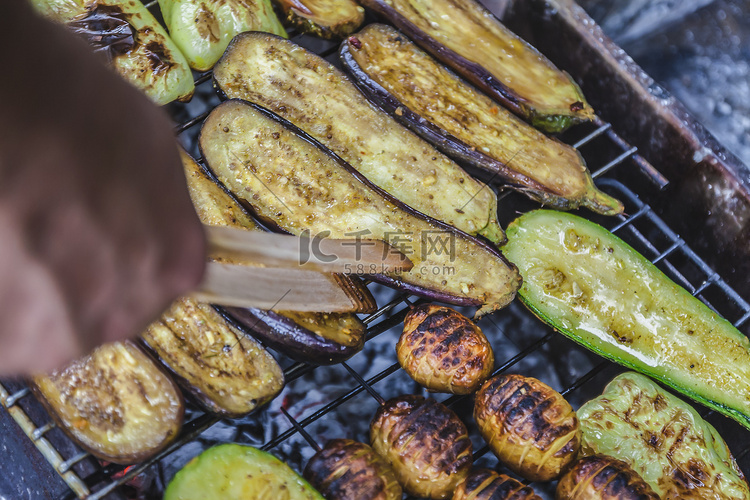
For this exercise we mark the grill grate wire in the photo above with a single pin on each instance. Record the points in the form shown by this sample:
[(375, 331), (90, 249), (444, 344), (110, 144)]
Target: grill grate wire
[(640, 228)]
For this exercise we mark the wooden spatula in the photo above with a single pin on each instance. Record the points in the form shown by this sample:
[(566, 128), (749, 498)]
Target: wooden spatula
[(282, 272)]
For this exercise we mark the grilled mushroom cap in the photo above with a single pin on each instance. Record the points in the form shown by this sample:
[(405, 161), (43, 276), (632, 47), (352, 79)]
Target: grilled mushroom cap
[(528, 425), (600, 477), (426, 444)]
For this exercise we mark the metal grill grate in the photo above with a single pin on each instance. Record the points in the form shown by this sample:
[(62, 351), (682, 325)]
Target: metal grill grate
[(370, 377)]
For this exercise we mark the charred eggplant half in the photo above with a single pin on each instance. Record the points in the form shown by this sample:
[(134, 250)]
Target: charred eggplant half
[(317, 338), (116, 403), (346, 469), (323, 18), (485, 484), (663, 439), (234, 472), (599, 477), (443, 350), (466, 124), (469, 39), (426, 444), (202, 29), (136, 45), (227, 372), (291, 181), (308, 91), (528, 425)]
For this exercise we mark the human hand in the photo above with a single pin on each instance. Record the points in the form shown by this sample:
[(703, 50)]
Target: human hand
[(97, 232)]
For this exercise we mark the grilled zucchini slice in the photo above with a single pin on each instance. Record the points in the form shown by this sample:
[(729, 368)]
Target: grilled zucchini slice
[(466, 124), (202, 29), (292, 182), (308, 91), (595, 289), (137, 46), (233, 471), (663, 439), (469, 39), (116, 403)]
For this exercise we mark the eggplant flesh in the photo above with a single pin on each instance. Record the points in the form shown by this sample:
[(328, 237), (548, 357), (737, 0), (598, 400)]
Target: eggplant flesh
[(597, 290), (202, 29), (323, 18), (227, 372), (309, 92), (116, 403), (466, 124), (136, 45), (469, 39), (318, 338), (662, 438), (290, 180)]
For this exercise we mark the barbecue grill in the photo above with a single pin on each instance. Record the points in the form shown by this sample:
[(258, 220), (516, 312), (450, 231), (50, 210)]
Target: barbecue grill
[(325, 402)]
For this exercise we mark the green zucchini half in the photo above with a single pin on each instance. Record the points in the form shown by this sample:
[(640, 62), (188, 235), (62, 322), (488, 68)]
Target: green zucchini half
[(236, 472), (202, 29), (594, 288)]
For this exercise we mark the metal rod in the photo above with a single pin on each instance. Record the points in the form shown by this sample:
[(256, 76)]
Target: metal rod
[(596, 133), (377, 397), (301, 430)]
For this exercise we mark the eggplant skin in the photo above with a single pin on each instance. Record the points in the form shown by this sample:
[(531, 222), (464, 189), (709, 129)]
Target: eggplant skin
[(528, 425), (485, 484), (443, 350), (661, 437), (202, 29), (116, 403), (311, 93), (468, 38), (595, 289), (228, 373), (137, 46), (426, 444), (292, 181), (467, 125), (323, 18), (233, 471), (346, 469), (317, 338), (599, 477)]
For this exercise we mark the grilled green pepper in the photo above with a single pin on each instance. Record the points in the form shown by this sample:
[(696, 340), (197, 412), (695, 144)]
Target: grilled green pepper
[(663, 439), (136, 45), (233, 471), (594, 288), (202, 29)]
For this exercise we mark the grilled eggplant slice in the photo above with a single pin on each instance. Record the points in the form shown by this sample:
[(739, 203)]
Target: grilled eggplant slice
[(425, 442), (469, 39), (116, 403), (227, 372), (202, 29), (443, 350), (466, 124), (233, 471), (595, 289), (485, 484), (663, 439), (603, 478), (347, 469), (309, 92), (291, 181), (528, 425), (137, 46), (318, 338), (323, 18)]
